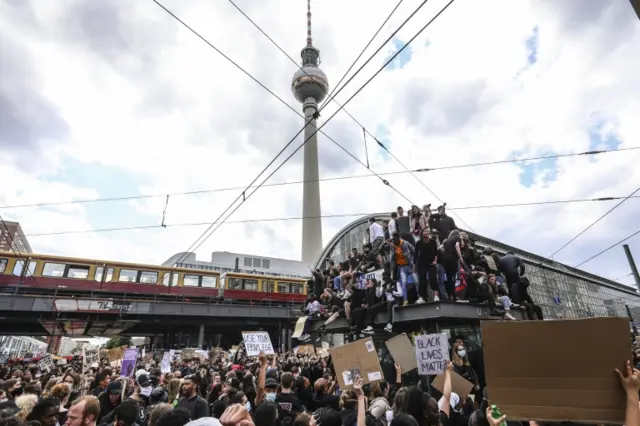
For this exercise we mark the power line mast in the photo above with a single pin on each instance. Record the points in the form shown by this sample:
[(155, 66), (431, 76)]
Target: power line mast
[(632, 265)]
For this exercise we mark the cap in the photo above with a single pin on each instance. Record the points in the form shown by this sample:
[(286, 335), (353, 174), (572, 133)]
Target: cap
[(95, 365), (143, 381), (115, 387), (141, 371), (271, 383), (204, 421)]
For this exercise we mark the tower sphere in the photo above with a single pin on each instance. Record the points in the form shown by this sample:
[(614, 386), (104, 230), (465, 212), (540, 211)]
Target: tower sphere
[(309, 82)]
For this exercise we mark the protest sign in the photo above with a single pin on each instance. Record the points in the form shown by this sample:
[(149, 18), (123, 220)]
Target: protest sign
[(256, 342), (432, 352), (402, 351), (356, 358), (531, 375), (129, 362), (45, 363), (165, 366), (459, 385)]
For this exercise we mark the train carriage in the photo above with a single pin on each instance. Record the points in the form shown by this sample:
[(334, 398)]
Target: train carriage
[(67, 274)]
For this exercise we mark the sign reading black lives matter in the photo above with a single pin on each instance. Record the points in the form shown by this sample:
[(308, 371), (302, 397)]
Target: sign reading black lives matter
[(256, 342), (432, 352)]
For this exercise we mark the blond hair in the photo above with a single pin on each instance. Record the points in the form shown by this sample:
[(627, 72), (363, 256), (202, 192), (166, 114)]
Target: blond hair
[(25, 403)]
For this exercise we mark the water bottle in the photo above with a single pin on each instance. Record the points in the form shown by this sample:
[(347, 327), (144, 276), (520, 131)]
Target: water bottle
[(496, 414)]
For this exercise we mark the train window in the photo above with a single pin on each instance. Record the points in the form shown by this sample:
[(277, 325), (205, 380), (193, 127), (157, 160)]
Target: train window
[(17, 269), (3, 265), (128, 276), (267, 286), (99, 272), (191, 281), (148, 277), (296, 288), (51, 269), (208, 282), (250, 285), (174, 280), (80, 272), (283, 287)]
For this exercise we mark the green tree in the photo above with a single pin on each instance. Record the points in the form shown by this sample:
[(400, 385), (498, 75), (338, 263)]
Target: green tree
[(117, 341)]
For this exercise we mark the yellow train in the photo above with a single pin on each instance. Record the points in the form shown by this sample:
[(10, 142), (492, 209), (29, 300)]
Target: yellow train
[(61, 272)]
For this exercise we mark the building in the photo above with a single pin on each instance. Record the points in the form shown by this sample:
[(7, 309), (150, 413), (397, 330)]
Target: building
[(225, 261), (12, 238), (310, 86), (19, 346), (560, 290)]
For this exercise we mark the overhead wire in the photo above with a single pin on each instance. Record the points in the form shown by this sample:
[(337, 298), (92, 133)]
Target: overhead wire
[(331, 97), (592, 224), (327, 216), (286, 104), (296, 182), (329, 119), (600, 253)]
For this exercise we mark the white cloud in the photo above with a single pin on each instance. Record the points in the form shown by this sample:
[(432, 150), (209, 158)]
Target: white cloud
[(141, 94)]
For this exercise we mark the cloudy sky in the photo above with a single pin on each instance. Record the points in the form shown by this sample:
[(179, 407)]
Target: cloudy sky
[(114, 98)]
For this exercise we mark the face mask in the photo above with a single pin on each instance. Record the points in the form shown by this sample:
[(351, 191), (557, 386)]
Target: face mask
[(462, 353), (248, 406), (270, 397)]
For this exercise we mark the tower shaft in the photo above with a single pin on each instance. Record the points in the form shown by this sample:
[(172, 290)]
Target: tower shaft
[(311, 222)]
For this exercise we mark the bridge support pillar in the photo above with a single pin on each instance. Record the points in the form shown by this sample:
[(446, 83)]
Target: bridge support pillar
[(201, 335)]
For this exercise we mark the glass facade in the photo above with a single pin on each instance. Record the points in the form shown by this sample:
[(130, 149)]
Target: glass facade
[(561, 291)]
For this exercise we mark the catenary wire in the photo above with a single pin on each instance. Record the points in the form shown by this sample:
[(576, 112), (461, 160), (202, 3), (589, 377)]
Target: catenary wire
[(329, 179), (282, 219), (607, 249), (285, 103), (624, 276), (332, 116), (296, 63), (332, 98), (594, 223)]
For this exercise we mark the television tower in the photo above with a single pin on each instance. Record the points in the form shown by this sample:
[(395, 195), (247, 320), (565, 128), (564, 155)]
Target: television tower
[(310, 86)]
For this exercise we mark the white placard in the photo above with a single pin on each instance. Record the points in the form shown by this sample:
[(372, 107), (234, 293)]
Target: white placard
[(256, 342), (432, 352), (45, 363), (165, 365)]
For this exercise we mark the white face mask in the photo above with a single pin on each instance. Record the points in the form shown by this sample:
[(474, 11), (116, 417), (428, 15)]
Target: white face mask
[(462, 353)]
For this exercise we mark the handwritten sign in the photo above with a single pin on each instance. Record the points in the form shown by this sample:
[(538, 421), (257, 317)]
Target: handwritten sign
[(256, 342), (432, 351), (45, 363), (165, 366)]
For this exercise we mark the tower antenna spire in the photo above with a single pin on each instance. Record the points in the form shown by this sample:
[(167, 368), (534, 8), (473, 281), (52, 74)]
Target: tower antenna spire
[(309, 38)]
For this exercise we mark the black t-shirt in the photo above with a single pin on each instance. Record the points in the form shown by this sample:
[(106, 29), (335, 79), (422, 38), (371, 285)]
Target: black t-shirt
[(196, 406), (426, 252), (449, 247), (289, 404)]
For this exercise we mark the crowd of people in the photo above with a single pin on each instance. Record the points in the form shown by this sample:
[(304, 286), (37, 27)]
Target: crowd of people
[(286, 390), (422, 257)]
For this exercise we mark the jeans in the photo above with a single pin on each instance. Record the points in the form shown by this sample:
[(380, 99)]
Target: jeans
[(505, 302), (403, 272)]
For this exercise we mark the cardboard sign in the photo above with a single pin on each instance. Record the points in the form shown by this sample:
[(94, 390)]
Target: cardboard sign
[(256, 342), (297, 332), (557, 371), (45, 363), (459, 384), (432, 352), (356, 358), (305, 350), (403, 352)]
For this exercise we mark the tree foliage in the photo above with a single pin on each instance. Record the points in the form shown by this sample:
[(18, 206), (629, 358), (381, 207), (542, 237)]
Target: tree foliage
[(117, 341)]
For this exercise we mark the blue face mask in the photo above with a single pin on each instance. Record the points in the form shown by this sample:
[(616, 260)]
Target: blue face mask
[(271, 397), (248, 406)]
